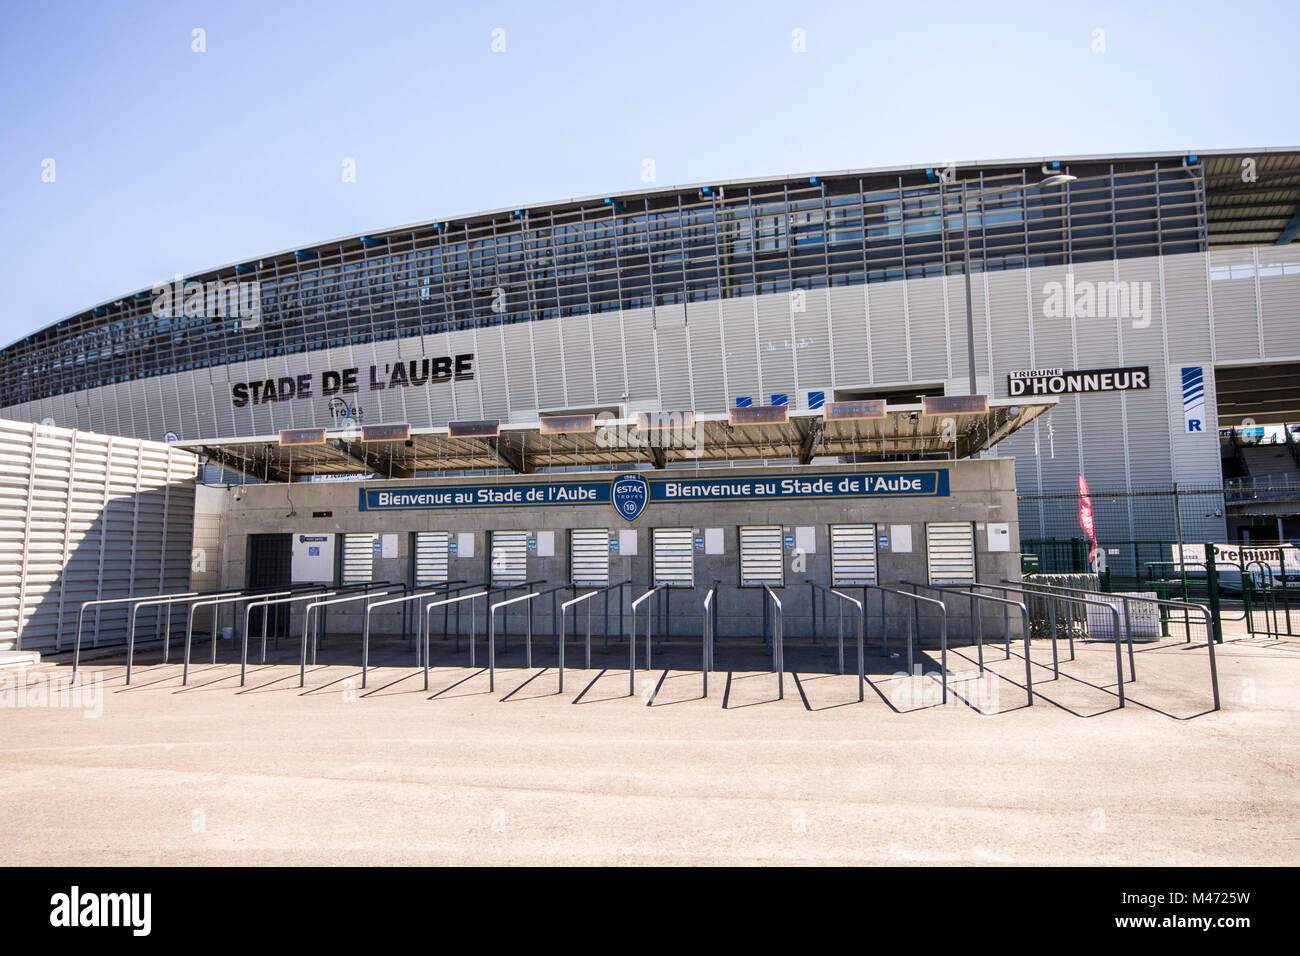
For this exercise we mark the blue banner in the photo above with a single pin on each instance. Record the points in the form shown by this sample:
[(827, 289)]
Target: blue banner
[(662, 490)]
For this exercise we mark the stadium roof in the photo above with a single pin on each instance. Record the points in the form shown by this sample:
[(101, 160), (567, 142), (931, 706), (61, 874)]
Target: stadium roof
[(523, 448)]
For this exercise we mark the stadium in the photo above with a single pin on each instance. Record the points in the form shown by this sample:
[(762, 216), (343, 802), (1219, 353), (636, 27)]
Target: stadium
[(1115, 319)]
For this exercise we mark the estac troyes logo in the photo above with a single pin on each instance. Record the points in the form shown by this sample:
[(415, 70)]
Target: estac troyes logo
[(629, 494)]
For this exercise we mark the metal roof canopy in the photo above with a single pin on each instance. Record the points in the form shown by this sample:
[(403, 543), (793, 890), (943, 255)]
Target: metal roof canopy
[(521, 448)]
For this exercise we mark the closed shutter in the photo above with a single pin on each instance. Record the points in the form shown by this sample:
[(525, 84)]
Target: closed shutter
[(359, 557), (853, 554), (509, 557), (589, 557), (674, 557), (761, 556), (950, 552), (431, 557)]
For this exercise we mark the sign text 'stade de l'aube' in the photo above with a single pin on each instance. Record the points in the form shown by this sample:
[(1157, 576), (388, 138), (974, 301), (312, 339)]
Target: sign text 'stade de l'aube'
[(662, 490), (415, 373)]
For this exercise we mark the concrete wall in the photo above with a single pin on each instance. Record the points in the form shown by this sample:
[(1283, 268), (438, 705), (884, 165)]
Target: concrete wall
[(981, 491)]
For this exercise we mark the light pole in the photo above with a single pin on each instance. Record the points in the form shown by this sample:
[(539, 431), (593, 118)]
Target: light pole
[(1054, 179)]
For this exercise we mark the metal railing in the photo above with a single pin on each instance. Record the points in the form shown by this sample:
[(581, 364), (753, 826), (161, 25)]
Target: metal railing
[(631, 644), (581, 599), (492, 617), (100, 602), (709, 632), (214, 603), (402, 600), (1005, 603), (1056, 667), (167, 601), (1162, 602), (861, 608), (264, 604), (776, 623), (913, 632), (306, 624), (446, 603)]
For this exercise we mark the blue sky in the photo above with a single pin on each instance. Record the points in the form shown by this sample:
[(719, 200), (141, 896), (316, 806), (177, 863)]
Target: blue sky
[(167, 160)]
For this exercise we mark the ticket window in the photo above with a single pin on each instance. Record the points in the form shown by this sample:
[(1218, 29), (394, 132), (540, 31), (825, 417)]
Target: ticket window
[(358, 558), (508, 557), (431, 554), (673, 556), (853, 554), (589, 557), (762, 556), (950, 552)]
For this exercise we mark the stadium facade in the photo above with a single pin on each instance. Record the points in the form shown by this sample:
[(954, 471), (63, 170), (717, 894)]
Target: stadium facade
[(1152, 295)]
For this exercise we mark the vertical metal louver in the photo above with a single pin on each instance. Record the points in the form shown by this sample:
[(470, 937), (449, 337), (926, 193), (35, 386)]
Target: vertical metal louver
[(509, 552), (674, 556), (359, 557), (431, 557), (761, 556), (589, 557), (950, 552), (853, 554)]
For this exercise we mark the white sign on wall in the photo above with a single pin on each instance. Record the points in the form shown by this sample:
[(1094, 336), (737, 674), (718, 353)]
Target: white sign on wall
[(312, 559)]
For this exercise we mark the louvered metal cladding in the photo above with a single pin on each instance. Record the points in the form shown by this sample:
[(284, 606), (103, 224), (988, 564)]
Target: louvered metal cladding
[(509, 557), (589, 557), (853, 554), (359, 557), (762, 559), (674, 556), (950, 552), (85, 517), (431, 557)]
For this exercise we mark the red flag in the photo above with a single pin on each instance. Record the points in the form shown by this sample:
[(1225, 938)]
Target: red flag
[(1085, 517)]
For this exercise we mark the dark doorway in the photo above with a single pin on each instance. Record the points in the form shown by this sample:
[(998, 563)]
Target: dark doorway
[(269, 567)]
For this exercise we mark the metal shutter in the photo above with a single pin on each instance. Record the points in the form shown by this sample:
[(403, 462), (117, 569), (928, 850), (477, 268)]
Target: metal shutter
[(853, 554), (589, 557), (509, 557), (762, 560), (431, 557), (674, 556), (950, 552), (359, 557)]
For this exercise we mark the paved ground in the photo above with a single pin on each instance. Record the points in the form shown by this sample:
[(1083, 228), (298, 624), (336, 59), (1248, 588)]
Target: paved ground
[(395, 774)]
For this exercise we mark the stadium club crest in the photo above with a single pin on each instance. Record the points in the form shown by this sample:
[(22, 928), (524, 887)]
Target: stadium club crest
[(629, 494)]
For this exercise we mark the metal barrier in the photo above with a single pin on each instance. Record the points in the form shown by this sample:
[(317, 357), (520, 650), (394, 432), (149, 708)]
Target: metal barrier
[(861, 608), (428, 608), (214, 602), (492, 644), (777, 624), (1005, 603), (365, 630), (99, 602), (1178, 605), (631, 644), (918, 600), (1056, 670), (709, 633), (306, 625), (264, 604), (167, 642), (582, 598)]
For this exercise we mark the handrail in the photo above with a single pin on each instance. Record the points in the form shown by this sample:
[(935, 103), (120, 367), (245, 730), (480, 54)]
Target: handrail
[(778, 641), (264, 604), (99, 602), (862, 631), (1181, 605), (943, 630), (707, 636), (306, 624), (169, 600), (631, 644), (492, 616), (214, 602), (528, 638), (1005, 602), (447, 601), (1119, 655), (564, 610), (371, 605)]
